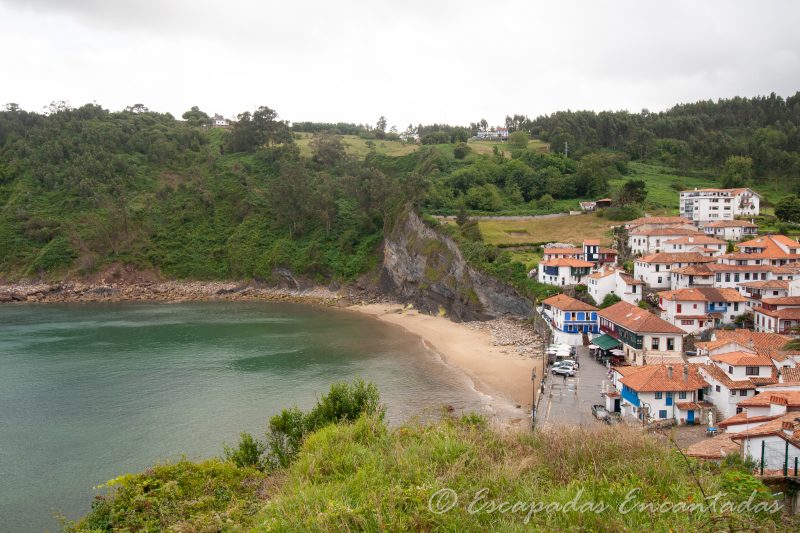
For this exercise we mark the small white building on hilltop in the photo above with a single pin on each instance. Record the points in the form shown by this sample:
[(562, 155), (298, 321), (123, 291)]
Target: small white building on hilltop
[(712, 205)]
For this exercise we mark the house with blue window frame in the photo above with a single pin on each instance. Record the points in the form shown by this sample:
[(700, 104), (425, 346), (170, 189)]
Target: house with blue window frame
[(695, 309), (664, 392), (570, 319)]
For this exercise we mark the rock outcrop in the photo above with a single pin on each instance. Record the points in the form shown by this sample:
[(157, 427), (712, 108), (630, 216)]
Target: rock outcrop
[(426, 268)]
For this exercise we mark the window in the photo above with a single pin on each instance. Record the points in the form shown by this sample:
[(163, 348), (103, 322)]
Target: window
[(727, 276), (659, 279), (733, 393), (719, 277), (736, 306), (736, 277), (670, 343), (654, 343), (682, 395), (717, 388), (747, 276), (679, 307), (730, 369), (662, 413), (743, 392), (658, 395), (685, 322), (751, 371)]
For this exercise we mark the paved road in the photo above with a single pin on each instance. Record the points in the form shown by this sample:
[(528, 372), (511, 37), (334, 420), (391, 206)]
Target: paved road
[(570, 401)]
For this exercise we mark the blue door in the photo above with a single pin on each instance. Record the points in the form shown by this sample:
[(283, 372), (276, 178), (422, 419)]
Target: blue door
[(690, 417), (669, 398)]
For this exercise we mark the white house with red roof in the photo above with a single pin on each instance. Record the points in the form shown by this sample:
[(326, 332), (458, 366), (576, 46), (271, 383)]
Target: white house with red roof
[(696, 243), (699, 308), (734, 376), (662, 392), (569, 318), (711, 205), (645, 337), (564, 271), (655, 269), (778, 315), (731, 230), (612, 280), (770, 345), (653, 241)]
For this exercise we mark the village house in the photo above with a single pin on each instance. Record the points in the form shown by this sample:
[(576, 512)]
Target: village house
[(608, 280), (564, 271), (653, 241), (569, 318), (731, 230), (755, 291), (696, 243), (765, 406), (691, 276), (220, 122), (744, 340), (590, 251), (662, 392), (602, 203), (778, 315), (733, 376), (648, 223), (645, 337), (696, 309), (711, 205), (773, 445), (655, 269)]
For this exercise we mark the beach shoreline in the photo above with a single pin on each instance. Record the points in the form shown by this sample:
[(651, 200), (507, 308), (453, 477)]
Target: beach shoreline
[(501, 372)]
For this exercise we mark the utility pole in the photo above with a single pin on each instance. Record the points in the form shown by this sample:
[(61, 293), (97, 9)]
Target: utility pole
[(533, 398)]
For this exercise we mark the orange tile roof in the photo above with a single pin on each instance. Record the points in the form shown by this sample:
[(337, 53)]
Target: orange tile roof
[(677, 257), (657, 221), (714, 448), (568, 262), (792, 398), (592, 242), (790, 375), (629, 280), (749, 384), (703, 294), (791, 313), (666, 231), (567, 303), (742, 359), (563, 251), (698, 239), (770, 245), (655, 378), (603, 272), (783, 300), (638, 320), (773, 427), (701, 269), (770, 284), (731, 224), (763, 343), (742, 418)]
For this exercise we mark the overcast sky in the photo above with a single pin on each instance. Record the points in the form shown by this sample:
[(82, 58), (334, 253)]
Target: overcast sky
[(411, 60)]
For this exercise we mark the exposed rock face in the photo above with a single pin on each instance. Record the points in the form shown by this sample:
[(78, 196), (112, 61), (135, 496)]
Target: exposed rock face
[(425, 268)]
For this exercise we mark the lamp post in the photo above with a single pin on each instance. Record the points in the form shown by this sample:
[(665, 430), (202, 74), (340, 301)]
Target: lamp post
[(533, 397)]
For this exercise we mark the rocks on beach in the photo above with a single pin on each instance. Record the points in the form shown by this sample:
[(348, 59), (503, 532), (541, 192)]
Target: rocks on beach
[(509, 332)]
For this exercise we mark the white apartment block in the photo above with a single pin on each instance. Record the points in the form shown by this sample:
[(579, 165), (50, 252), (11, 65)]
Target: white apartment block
[(712, 205)]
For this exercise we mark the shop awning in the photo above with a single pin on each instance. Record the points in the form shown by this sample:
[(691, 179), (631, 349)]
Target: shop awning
[(606, 342)]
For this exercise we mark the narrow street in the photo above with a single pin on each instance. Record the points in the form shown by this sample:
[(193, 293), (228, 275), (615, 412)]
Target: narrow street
[(570, 400)]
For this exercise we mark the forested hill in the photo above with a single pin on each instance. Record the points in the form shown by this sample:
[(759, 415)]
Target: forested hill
[(84, 189), (697, 135)]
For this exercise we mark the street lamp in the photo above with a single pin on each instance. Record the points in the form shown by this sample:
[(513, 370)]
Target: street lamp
[(533, 397)]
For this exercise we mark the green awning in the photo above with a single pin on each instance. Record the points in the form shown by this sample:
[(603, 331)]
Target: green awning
[(606, 342)]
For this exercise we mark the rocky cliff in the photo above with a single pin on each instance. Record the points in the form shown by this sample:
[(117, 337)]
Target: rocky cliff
[(426, 268)]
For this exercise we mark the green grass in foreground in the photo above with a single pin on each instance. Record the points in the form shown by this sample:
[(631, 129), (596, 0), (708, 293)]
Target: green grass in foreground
[(368, 477)]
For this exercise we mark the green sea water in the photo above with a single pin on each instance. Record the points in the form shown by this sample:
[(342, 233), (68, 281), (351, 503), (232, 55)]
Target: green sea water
[(91, 391)]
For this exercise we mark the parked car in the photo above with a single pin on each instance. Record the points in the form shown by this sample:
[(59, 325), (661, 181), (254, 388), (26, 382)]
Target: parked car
[(563, 371), (600, 412), (568, 362)]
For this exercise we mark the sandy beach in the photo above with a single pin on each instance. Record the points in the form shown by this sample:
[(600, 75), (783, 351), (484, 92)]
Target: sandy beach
[(497, 371)]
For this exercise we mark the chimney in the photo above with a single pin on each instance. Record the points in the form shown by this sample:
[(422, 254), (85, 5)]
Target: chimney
[(777, 405), (669, 371)]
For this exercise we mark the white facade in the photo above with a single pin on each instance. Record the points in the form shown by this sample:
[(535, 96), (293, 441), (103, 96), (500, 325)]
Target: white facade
[(607, 281), (726, 387), (728, 231), (712, 205)]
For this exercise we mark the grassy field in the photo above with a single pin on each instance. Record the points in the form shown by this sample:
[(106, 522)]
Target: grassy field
[(565, 228), (663, 185), (359, 147), (487, 147)]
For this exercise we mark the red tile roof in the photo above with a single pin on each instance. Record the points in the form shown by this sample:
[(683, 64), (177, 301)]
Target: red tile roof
[(742, 359), (769, 284), (567, 303), (714, 448), (695, 239), (715, 372), (792, 313), (568, 262), (666, 232), (791, 397), (790, 375), (784, 300), (656, 221), (677, 257), (703, 294), (638, 320), (731, 224), (655, 378)]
